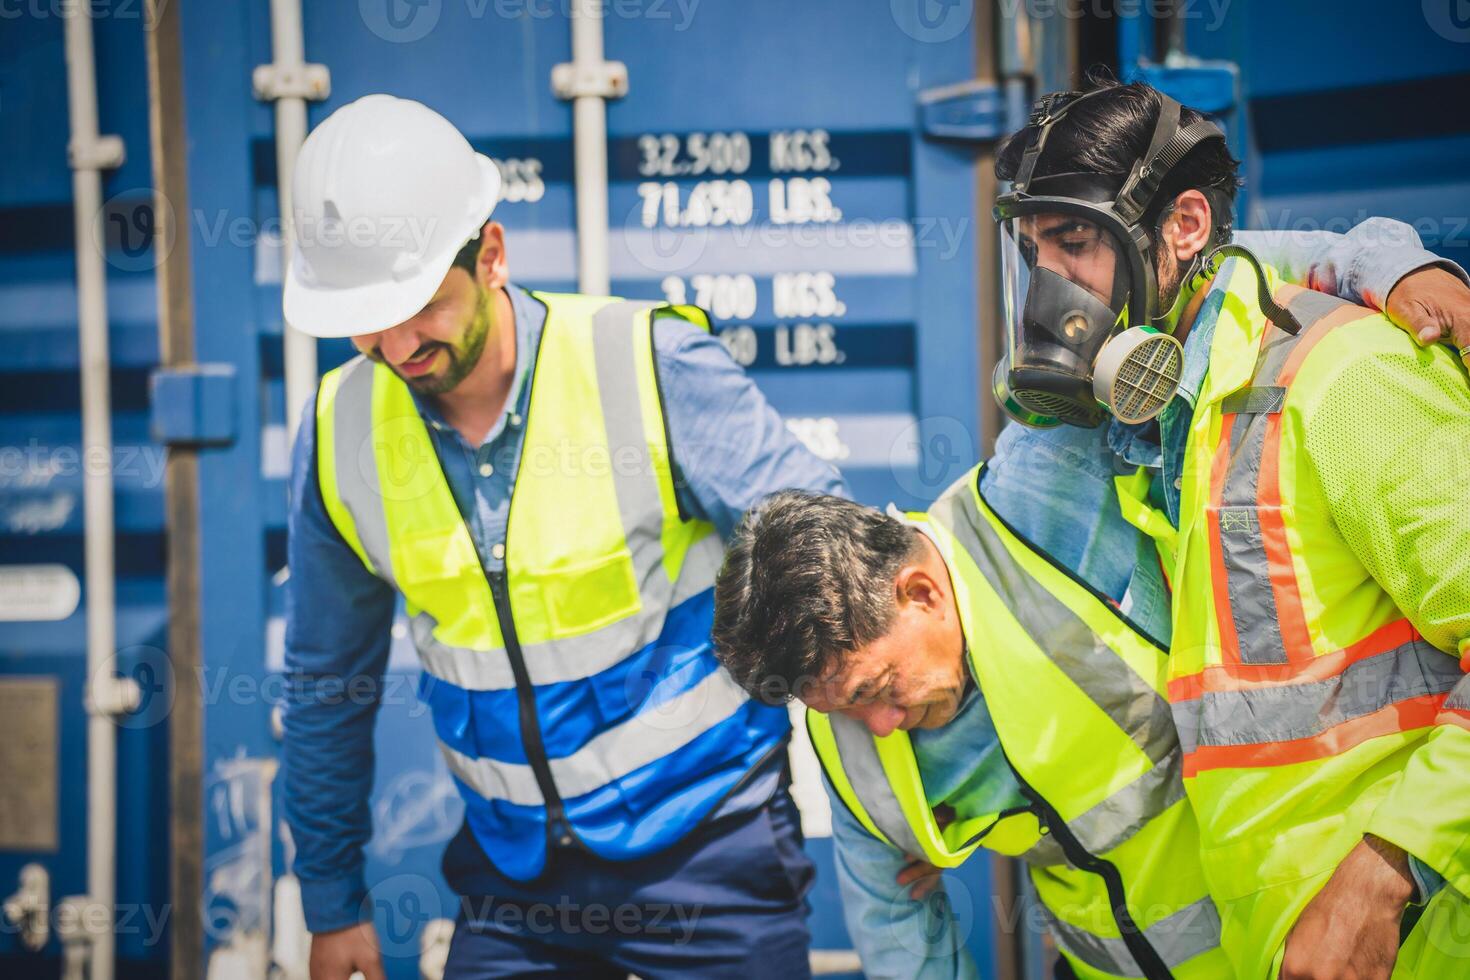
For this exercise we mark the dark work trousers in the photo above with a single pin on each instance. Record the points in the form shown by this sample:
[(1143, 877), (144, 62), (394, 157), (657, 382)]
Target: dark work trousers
[(727, 901)]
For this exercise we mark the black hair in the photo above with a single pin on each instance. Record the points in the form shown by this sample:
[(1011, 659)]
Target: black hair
[(1109, 133), (469, 253)]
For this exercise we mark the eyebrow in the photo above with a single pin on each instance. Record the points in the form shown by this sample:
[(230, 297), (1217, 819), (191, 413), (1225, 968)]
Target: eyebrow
[(1059, 229), (862, 688)]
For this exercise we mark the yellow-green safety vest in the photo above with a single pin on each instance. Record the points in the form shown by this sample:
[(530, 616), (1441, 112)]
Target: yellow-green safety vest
[(1299, 688), (600, 619), (1076, 693)]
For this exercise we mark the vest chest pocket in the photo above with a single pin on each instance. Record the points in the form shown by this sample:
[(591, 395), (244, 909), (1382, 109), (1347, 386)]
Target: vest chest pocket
[(583, 596), (438, 570)]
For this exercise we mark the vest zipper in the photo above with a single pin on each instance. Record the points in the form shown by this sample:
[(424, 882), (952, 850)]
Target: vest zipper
[(1143, 952), (557, 827)]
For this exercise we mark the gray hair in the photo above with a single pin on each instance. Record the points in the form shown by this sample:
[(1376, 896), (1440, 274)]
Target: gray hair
[(807, 578)]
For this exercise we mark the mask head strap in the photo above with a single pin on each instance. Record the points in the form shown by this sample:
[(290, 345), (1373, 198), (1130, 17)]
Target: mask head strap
[(1170, 144), (1047, 112)]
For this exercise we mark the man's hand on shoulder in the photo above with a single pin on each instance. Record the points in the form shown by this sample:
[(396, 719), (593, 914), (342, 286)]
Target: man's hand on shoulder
[(339, 954), (1432, 304), (1350, 930)]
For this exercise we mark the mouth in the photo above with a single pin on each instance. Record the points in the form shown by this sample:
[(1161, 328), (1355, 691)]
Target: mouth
[(932, 714), (420, 363), (913, 718)]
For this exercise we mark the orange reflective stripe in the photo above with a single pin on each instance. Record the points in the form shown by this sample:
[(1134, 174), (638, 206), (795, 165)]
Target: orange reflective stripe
[(1257, 600), (1343, 312), (1244, 677), (1401, 716), (1251, 724), (1294, 633)]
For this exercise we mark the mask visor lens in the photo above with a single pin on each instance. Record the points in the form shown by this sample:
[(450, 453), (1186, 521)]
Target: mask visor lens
[(1064, 287)]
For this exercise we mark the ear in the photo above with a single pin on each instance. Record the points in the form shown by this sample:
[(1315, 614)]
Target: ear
[(491, 267), (917, 586), (1187, 229)]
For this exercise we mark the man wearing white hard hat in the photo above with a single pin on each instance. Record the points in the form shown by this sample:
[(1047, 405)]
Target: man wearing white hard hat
[(545, 480)]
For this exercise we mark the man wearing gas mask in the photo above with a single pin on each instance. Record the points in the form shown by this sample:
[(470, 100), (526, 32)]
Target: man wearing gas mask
[(926, 761), (1300, 472)]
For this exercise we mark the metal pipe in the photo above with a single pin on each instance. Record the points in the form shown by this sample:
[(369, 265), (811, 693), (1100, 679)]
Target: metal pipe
[(88, 154), (589, 142), (168, 142), (289, 59)]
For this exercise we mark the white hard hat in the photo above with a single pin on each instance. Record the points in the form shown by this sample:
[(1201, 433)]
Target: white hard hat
[(386, 192)]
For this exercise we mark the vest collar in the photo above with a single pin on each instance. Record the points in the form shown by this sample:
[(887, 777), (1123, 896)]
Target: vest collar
[(1233, 322)]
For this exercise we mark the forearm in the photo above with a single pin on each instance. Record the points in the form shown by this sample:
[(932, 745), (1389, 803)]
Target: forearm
[(895, 935), (1362, 265), (338, 618), (326, 777)]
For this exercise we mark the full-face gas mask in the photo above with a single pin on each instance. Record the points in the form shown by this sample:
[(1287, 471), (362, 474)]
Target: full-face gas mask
[(1083, 335)]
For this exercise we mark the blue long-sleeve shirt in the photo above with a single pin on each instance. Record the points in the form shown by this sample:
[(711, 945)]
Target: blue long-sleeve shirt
[(1055, 486), (731, 449)]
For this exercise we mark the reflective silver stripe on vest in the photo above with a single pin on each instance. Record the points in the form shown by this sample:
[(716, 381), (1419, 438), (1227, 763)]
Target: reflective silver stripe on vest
[(1286, 712), (657, 731), (1068, 642), (1129, 700), (1045, 853), (858, 756), (356, 462), (635, 481), (572, 658), (1125, 813), (1242, 550), (1178, 938)]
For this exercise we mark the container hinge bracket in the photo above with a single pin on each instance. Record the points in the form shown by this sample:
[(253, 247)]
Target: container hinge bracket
[(311, 82), (28, 911), (607, 80), (99, 153)]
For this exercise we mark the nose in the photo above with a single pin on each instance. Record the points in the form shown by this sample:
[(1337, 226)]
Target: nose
[(881, 719), (395, 345)]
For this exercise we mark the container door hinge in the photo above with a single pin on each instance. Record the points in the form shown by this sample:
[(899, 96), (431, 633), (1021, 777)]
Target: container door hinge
[(193, 405), (274, 81), (608, 80)]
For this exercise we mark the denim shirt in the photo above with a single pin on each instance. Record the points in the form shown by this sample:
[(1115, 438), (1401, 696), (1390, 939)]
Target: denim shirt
[(1055, 487), (730, 448)]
